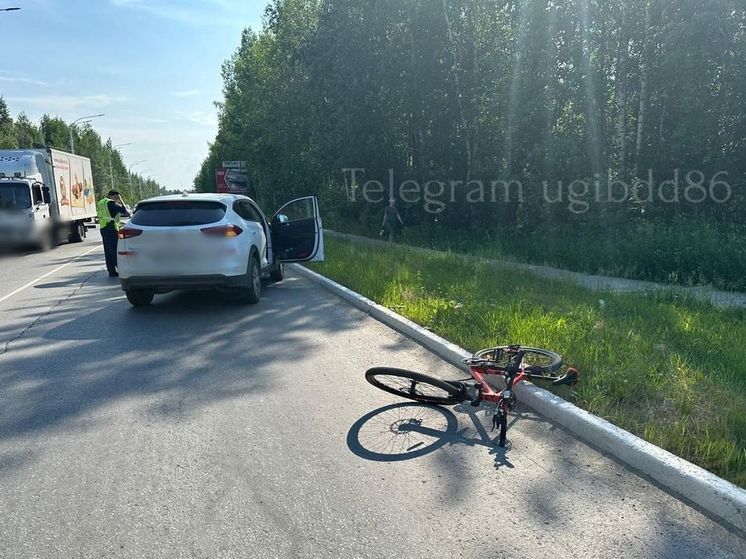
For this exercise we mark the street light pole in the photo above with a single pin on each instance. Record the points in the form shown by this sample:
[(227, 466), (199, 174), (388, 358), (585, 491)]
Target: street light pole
[(140, 173), (111, 169), (74, 124), (129, 177)]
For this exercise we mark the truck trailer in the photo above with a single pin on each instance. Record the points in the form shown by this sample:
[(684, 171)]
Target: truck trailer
[(46, 197)]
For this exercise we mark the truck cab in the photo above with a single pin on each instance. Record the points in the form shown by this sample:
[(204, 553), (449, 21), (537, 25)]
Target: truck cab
[(25, 203), (33, 211)]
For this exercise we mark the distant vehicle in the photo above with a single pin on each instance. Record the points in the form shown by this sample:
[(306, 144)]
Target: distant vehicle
[(205, 241), (46, 197)]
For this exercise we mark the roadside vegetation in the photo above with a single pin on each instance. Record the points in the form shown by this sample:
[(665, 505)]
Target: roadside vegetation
[(623, 121), (107, 162), (669, 369), (691, 254)]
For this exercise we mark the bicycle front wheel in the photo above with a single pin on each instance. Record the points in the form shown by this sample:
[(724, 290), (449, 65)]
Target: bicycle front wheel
[(541, 361), (415, 386)]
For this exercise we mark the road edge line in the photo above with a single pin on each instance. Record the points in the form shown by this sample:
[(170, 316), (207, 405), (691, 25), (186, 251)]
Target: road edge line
[(719, 497)]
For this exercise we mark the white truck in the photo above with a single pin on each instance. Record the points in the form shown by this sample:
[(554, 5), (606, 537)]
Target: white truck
[(46, 196)]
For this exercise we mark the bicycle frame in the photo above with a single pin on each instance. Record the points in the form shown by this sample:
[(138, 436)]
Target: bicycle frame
[(405, 383), (480, 373), (514, 372)]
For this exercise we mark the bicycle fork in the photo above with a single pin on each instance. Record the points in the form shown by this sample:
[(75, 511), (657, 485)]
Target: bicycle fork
[(500, 418)]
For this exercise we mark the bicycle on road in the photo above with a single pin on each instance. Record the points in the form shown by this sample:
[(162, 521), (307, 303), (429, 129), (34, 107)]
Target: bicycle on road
[(511, 363)]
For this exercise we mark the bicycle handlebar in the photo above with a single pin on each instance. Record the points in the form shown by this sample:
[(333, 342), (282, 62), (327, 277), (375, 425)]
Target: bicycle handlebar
[(477, 361), (571, 376), (512, 368)]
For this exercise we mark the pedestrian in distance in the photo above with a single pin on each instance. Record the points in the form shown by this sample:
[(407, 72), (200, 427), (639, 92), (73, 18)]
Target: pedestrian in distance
[(110, 210), (391, 221)]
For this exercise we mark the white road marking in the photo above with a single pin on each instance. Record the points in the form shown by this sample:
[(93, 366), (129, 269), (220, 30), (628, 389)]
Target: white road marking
[(57, 269)]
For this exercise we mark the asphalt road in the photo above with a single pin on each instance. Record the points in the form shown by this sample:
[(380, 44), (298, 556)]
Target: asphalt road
[(200, 428)]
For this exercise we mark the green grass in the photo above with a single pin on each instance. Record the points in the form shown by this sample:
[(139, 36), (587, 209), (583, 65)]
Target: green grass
[(685, 252), (670, 370)]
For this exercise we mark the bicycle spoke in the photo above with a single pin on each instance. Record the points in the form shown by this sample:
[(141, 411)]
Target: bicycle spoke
[(403, 430)]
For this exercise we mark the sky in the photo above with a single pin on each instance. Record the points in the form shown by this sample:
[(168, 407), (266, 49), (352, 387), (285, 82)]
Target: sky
[(151, 66)]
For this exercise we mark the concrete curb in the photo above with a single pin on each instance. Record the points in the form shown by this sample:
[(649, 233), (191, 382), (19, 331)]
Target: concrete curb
[(718, 497)]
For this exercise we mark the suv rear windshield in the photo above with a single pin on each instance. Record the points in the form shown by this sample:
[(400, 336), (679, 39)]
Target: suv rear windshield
[(178, 213)]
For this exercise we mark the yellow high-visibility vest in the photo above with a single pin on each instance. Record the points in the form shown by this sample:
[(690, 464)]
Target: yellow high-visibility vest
[(104, 217)]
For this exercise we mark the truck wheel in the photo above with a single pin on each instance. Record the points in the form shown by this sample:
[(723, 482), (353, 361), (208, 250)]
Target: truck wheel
[(77, 233), (139, 297), (278, 273), (253, 291)]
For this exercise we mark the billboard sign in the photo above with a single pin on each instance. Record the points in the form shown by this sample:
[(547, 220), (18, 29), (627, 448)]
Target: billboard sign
[(232, 177), (236, 165)]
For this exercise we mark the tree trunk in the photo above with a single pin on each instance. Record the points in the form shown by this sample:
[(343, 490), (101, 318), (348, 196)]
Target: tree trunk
[(593, 137), (621, 84), (415, 126), (644, 69), (459, 94)]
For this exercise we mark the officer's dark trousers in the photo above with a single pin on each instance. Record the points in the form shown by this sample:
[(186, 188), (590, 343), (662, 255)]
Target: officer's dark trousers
[(109, 236)]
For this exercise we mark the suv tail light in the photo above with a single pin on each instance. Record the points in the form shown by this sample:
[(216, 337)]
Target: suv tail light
[(223, 231), (128, 232)]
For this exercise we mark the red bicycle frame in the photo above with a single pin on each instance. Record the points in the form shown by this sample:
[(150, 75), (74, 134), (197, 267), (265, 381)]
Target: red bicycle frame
[(490, 394), (515, 371)]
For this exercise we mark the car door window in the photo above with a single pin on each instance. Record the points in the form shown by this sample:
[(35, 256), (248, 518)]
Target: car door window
[(250, 213), (238, 208), (299, 210)]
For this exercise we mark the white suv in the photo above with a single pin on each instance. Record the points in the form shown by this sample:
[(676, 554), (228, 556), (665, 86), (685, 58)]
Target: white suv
[(202, 241)]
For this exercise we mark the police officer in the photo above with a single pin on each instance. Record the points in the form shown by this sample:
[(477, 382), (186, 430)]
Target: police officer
[(110, 210)]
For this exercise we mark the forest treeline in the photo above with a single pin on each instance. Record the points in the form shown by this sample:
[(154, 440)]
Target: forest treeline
[(54, 132), (634, 110)]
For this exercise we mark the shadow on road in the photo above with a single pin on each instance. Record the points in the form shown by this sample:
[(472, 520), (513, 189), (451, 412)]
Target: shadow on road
[(407, 430), (187, 351), (401, 432), (55, 284)]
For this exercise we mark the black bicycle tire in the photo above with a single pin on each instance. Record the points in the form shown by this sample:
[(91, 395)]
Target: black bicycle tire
[(554, 364), (456, 392)]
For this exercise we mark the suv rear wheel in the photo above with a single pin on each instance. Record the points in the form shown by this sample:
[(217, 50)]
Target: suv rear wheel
[(253, 291), (139, 297)]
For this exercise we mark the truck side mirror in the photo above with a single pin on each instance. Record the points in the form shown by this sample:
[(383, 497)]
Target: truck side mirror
[(46, 197), (36, 191)]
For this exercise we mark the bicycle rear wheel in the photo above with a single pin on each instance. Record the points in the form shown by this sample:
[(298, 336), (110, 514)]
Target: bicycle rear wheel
[(541, 361), (415, 386)]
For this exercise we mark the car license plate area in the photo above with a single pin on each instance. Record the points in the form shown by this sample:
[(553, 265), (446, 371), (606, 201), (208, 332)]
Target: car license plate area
[(169, 256), (180, 253)]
